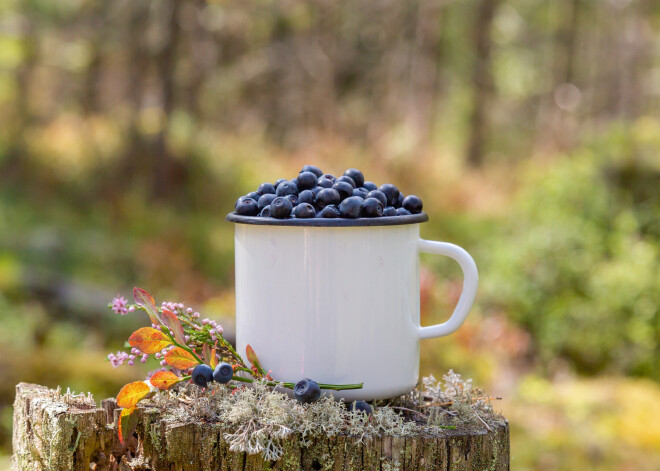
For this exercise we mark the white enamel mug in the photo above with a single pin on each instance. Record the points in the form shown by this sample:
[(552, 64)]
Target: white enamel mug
[(337, 300)]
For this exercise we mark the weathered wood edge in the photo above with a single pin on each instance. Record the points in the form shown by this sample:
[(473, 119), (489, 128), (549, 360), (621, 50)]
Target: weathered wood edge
[(50, 434)]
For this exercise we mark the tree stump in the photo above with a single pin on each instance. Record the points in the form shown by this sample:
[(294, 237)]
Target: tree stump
[(53, 431)]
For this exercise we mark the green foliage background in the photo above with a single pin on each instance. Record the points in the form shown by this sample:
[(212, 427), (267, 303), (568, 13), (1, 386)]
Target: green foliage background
[(530, 129)]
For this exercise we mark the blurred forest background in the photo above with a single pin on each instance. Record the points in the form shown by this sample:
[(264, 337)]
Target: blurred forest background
[(530, 128)]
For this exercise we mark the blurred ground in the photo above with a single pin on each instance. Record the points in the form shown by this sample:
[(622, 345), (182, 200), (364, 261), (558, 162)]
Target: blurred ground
[(529, 128)]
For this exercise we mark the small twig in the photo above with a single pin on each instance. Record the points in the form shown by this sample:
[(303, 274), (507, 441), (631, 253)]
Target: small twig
[(482, 421), (409, 410)]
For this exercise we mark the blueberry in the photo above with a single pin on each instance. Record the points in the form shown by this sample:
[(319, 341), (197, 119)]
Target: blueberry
[(311, 168), (307, 391), (253, 195), (350, 207), (293, 199), (202, 375), (344, 189), (391, 192), (413, 204), (325, 182), (399, 201), (247, 207), (266, 189), (402, 212), (372, 208), (266, 199), (277, 183), (362, 192), (223, 372), (242, 198), (304, 211), (307, 196), (326, 197), (389, 211), (379, 195), (346, 179), (265, 213), (316, 190), (330, 211), (280, 208), (371, 186), (306, 180), (330, 177), (356, 175), (287, 188), (360, 406)]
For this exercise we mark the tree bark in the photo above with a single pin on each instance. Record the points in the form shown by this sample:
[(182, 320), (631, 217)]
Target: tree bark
[(61, 432), (482, 82)]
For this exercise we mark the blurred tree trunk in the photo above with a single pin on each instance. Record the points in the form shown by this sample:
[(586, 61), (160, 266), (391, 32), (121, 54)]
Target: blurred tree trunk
[(482, 82), (169, 173)]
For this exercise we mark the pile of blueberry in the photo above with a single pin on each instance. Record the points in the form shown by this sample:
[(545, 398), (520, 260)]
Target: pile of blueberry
[(313, 194)]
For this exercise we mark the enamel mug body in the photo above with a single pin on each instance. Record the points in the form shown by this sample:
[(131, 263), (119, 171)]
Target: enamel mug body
[(339, 305)]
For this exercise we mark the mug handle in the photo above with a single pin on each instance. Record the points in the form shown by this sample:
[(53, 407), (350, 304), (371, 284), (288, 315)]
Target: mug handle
[(470, 282)]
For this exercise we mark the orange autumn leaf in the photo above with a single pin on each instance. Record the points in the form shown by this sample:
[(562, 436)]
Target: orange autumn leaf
[(127, 423), (146, 302), (132, 393), (164, 379), (149, 340), (180, 358), (252, 357), (174, 324)]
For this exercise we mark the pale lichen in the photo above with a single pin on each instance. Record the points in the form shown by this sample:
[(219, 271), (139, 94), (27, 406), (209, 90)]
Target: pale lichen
[(258, 418)]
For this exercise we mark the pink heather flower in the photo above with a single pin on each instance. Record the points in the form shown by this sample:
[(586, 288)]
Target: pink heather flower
[(158, 355), (196, 314), (189, 310), (119, 304), (219, 330), (163, 363), (117, 359), (131, 362), (131, 308), (144, 358)]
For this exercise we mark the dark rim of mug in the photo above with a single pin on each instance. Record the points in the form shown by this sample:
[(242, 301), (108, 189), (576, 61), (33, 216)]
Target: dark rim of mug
[(329, 222)]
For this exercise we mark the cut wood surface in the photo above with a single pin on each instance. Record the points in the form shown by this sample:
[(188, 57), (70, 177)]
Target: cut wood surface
[(54, 431)]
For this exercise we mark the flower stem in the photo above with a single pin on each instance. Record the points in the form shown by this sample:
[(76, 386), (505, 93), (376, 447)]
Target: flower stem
[(334, 387)]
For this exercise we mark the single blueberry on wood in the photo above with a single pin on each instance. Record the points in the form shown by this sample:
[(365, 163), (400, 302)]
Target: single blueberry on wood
[(326, 197), (356, 175), (379, 195), (306, 181), (391, 192), (304, 211), (348, 180), (307, 391), (344, 189), (311, 168), (202, 375), (247, 207), (413, 204), (372, 208), (287, 188), (280, 208), (266, 188), (266, 199), (360, 406), (350, 207), (223, 373)]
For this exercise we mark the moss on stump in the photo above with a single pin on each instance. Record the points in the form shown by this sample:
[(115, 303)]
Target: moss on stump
[(54, 431)]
